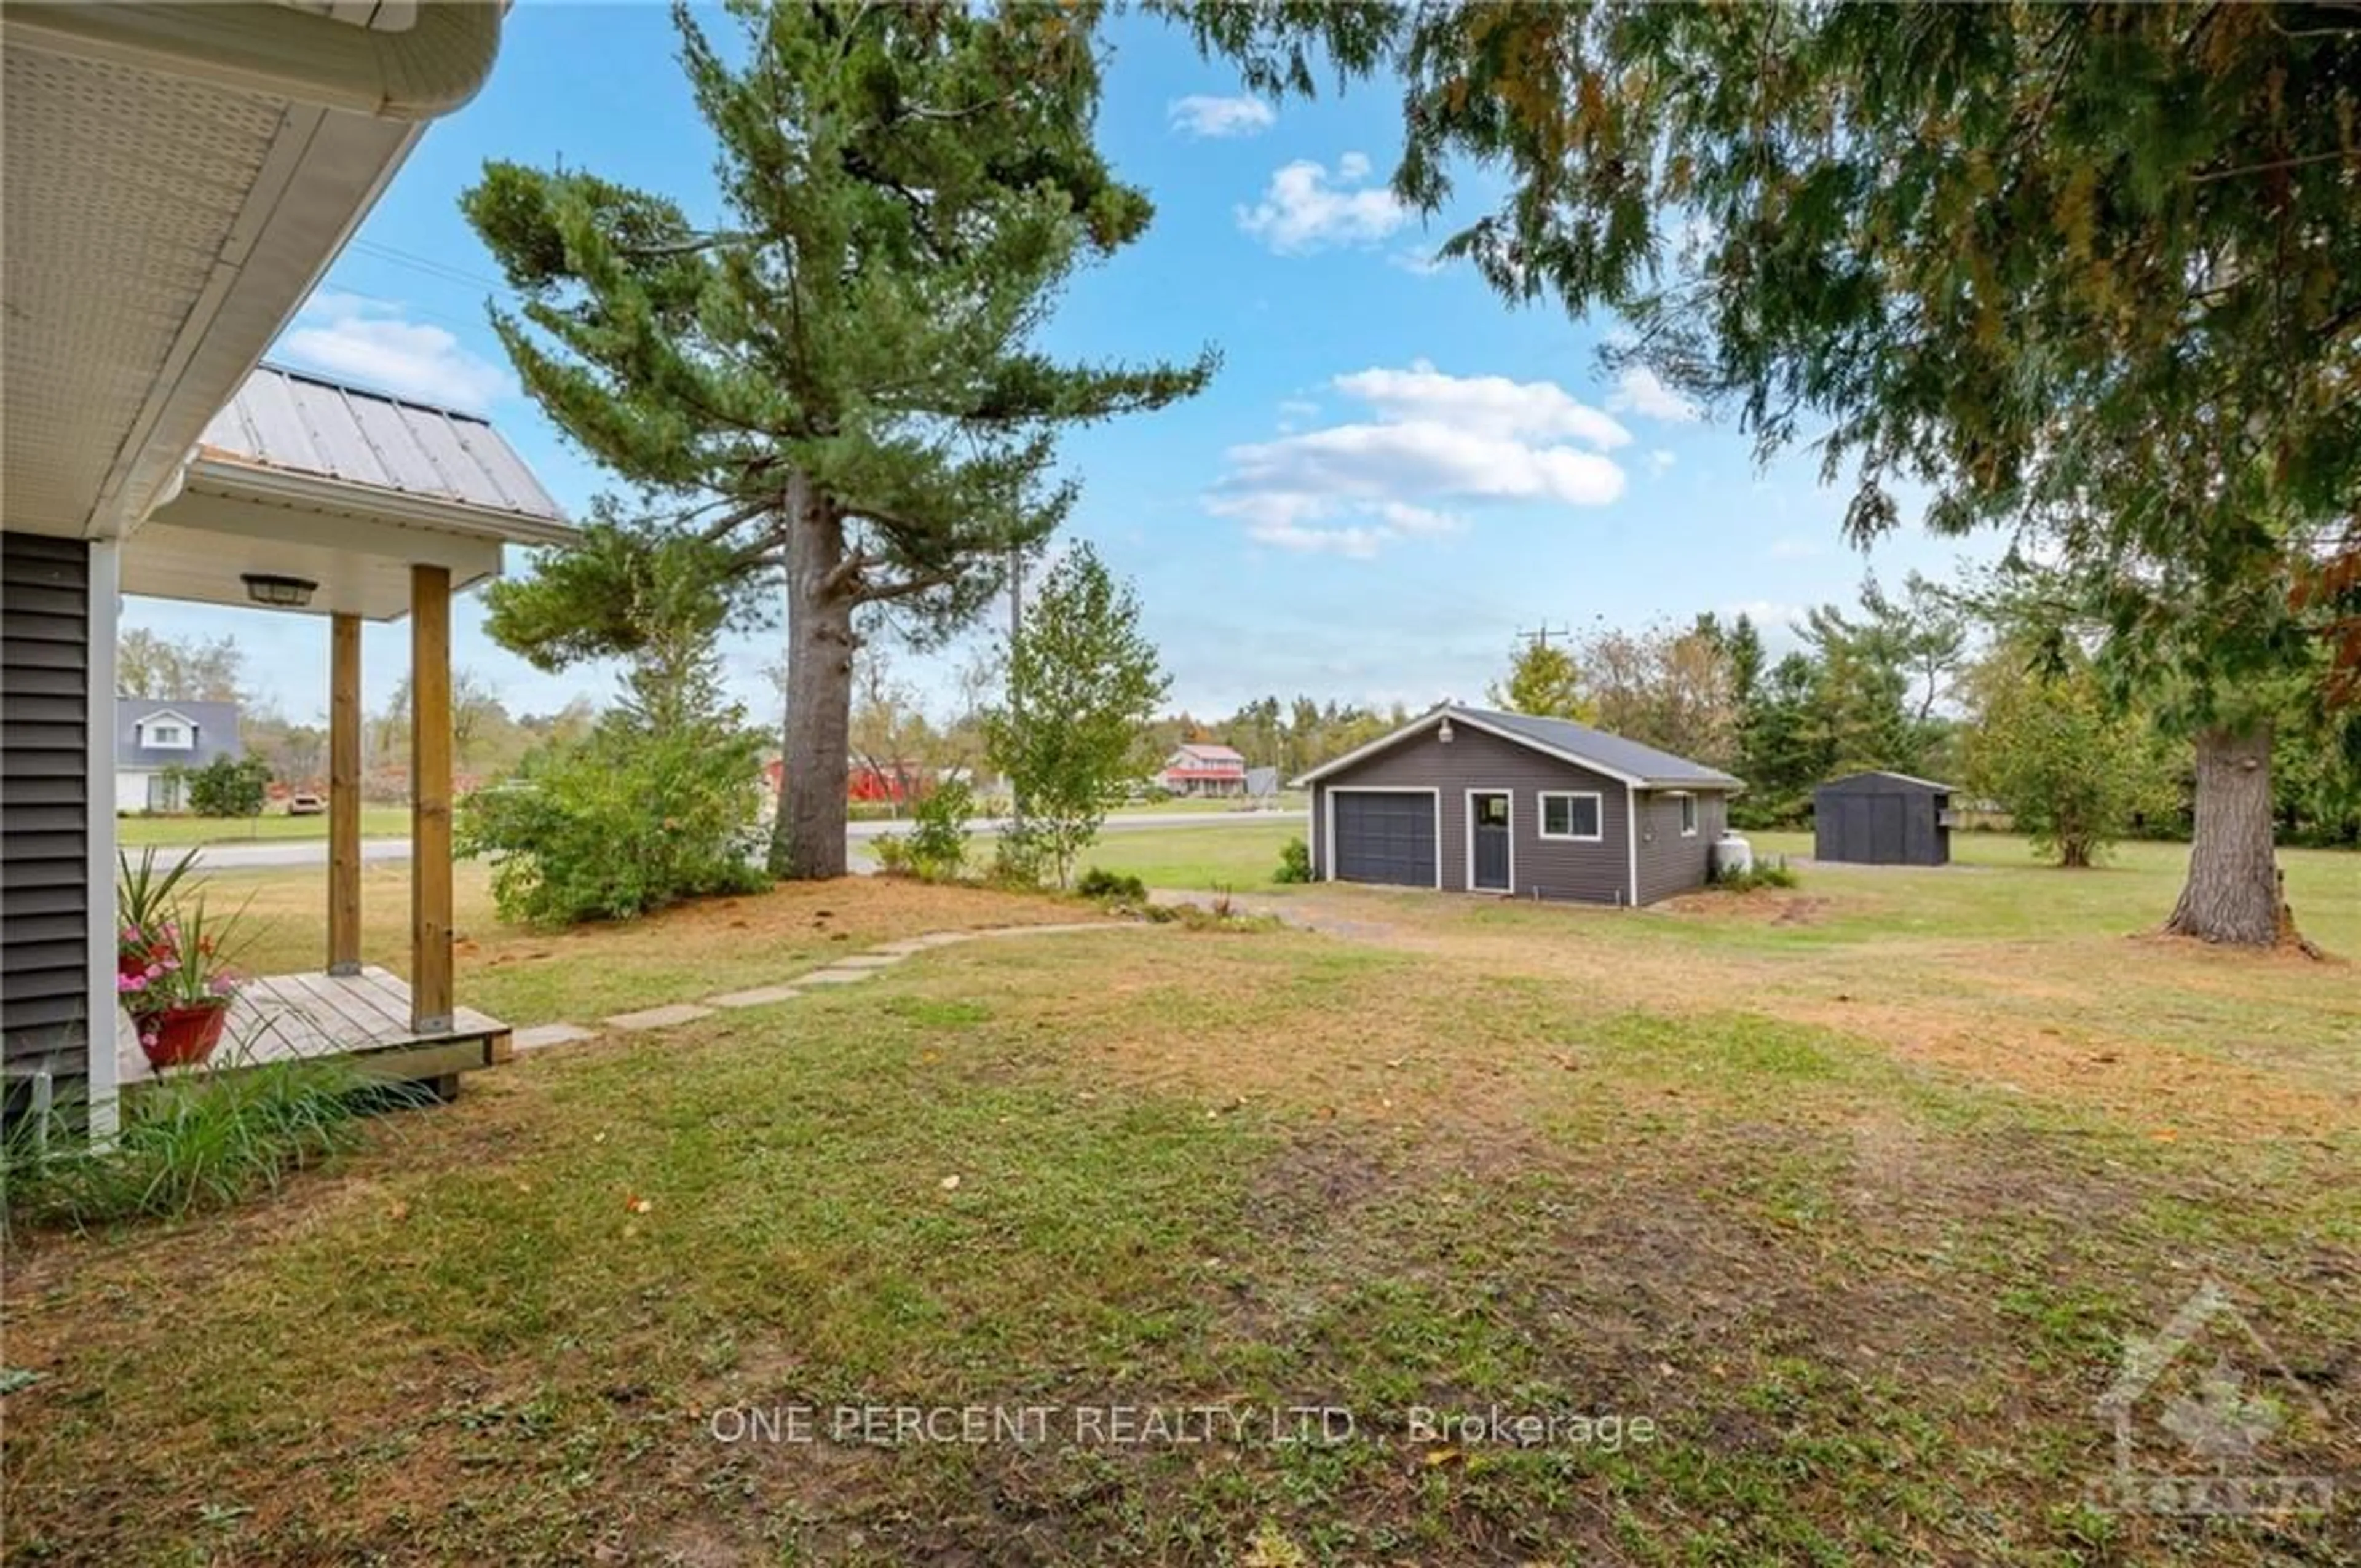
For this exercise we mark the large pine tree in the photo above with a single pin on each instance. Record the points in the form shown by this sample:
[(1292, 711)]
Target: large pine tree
[(836, 383), (2091, 273)]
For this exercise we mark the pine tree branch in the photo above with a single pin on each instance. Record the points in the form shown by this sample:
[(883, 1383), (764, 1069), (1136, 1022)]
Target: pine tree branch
[(883, 593)]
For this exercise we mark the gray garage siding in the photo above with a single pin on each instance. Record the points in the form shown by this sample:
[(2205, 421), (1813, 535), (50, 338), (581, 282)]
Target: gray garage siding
[(1598, 874), (1668, 862), (44, 814)]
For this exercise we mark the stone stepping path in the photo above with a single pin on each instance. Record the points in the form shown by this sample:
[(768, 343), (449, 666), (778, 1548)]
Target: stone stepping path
[(847, 970)]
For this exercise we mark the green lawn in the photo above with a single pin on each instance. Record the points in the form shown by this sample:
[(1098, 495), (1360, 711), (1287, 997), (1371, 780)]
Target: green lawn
[(377, 822), (1239, 856), (1856, 1194)]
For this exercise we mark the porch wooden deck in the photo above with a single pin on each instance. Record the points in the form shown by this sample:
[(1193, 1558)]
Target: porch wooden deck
[(363, 1017)]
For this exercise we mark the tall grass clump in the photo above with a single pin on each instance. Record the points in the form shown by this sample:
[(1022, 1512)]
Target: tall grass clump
[(190, 1142)]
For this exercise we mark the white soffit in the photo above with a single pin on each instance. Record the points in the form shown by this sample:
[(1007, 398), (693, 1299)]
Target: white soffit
[(173, 189)]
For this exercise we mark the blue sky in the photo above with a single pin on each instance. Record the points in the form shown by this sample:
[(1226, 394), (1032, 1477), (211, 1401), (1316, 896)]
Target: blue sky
[(1393, 473)]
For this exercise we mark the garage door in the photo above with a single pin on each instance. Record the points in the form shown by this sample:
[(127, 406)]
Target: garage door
[(1385, 838)]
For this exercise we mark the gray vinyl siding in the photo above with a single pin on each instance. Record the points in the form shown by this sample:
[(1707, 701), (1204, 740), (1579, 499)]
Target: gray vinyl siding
[(1668, 862), (44, 813), (1556, 869)]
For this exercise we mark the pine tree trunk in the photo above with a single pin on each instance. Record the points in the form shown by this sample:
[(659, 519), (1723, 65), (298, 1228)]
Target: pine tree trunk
[(807, 836), (2232, 894)]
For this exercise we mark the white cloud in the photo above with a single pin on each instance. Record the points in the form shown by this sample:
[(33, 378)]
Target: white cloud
[(1638, 390), (1200, 116), (1404, 518), (1303, 211), (1352, 487), (1661, 460), (370, 343), (1768, 615), (1794, 549), (1488, 405)]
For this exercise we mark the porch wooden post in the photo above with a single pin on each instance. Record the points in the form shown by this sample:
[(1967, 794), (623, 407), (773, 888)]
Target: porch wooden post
[(430, 799), (344, 794)]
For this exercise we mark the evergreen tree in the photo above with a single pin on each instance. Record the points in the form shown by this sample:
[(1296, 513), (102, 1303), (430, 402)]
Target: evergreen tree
[(2085, 272), (837, 385)]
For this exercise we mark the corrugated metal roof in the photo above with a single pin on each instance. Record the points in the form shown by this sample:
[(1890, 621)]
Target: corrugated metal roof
[(1643, 762), (301, 422)]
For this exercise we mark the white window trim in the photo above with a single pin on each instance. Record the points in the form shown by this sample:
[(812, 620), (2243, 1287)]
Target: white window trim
[(1688, 815), (152, 733), (1467, 882), (1599, 815)]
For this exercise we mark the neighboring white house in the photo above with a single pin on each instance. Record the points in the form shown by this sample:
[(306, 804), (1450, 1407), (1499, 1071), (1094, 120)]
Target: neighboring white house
[(155, 739)]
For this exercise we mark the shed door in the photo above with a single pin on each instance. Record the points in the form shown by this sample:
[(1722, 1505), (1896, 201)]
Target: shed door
[(1385, 838), (1888, 837)]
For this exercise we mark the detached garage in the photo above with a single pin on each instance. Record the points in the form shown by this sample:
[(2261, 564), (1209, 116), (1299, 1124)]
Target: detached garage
[(1883, 819), (1473, 800)]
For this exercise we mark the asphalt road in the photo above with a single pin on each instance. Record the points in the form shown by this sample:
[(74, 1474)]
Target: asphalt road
[(315, 852)]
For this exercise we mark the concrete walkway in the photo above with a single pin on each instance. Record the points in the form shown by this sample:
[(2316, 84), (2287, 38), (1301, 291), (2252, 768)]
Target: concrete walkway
[(848, 970)]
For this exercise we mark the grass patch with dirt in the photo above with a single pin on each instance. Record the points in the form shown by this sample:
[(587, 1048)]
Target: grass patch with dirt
[(1859, 1210)]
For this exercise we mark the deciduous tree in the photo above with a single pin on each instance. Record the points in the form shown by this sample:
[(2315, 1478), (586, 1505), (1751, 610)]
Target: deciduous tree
[(1083, 683), (1544, 680)]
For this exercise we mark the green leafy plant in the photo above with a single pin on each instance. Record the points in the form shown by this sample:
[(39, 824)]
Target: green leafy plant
[(1773, 872), (190, 1143), (1294, 862), (1111, 887), (625, 823), (229, 786), (144, 891), (1083, 683), (1018, 860), (939, 832)]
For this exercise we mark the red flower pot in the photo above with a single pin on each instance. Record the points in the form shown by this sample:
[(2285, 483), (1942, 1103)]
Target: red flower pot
[(183, 1035)]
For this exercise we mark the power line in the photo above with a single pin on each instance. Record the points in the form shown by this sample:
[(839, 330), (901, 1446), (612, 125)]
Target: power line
[(427, 265), (1541, 635)]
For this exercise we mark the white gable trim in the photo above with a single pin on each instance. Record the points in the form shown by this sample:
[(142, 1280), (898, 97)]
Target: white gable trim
[(1461, 716)]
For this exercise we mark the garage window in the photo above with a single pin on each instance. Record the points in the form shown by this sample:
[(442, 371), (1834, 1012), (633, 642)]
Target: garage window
[(1571, 815), (1689, 817)]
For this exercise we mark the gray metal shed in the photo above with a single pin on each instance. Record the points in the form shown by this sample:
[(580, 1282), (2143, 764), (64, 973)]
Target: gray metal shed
[(1883, 819)]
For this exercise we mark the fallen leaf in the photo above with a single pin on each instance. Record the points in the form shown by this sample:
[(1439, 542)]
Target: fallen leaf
[(397, 1211), (950, 1183), (638, 1205), (1436, 1456)]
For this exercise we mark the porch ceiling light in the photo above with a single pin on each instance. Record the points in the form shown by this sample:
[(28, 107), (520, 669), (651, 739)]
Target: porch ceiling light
[(285, 593)]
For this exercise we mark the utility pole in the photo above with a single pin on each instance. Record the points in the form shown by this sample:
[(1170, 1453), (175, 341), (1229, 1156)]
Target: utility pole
[(1541, 637), (1016, 625)]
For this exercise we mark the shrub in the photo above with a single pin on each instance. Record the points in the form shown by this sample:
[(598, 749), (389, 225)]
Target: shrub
[(1772, 872), (1110, 887), (892, 852), (1294, 862), (1019, 861), (190, 1142), (228, 787), (938, 847), (629, 821)]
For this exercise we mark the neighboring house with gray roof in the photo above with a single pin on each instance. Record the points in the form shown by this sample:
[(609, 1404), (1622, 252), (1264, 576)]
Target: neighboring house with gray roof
[(157, 736), (1473, 800)]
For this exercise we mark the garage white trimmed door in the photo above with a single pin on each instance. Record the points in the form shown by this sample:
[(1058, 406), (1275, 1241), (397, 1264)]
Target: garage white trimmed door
[(1385, 836)]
